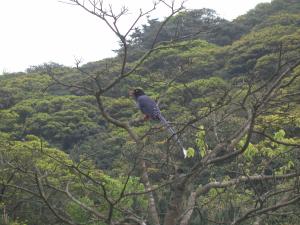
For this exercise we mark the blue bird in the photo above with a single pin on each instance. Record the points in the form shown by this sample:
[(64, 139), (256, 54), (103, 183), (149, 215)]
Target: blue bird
[(151, 111)]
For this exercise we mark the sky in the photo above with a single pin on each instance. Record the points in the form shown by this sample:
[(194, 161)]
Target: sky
[(34, 32)]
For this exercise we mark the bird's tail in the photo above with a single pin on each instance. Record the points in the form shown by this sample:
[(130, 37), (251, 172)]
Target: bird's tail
[(173, 133)]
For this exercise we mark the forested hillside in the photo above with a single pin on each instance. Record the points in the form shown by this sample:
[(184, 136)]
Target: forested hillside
[(74, 149)]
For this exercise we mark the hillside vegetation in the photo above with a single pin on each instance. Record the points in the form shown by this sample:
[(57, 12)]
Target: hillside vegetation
[(73, 149)]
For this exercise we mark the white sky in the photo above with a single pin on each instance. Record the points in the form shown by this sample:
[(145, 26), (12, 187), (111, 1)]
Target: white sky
[(38, 31)]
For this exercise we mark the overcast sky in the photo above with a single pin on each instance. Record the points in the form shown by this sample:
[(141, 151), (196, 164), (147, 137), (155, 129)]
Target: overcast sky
[(38, 31)]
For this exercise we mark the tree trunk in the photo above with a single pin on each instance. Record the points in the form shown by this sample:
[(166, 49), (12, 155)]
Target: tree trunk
[(189, 209), (176, 202), (153, 215)]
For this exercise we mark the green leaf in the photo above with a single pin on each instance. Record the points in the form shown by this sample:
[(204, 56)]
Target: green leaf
[(290, 164), (251, 151), (202, 152), (279, 135), (190, 152)]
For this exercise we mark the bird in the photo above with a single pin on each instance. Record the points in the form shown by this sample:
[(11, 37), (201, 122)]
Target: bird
[(151, 111)]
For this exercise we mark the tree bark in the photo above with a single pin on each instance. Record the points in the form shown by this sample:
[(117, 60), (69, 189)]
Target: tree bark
[(176, 201), (190, 208), (154, 219)]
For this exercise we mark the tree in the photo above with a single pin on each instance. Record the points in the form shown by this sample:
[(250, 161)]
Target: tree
[(244, 166)]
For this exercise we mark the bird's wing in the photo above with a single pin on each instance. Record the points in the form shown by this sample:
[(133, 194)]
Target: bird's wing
[(148, 106)]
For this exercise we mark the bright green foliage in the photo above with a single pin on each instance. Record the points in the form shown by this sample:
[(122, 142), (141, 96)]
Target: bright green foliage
[(200, 141), (259, 49), (196, 93), (197, 56), (29, 158), (79, 215), (21, 87), (190, 152), (250, 152), (61, 120), (268, 150), (201, 83)]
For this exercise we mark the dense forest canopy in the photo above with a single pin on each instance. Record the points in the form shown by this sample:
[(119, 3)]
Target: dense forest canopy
[(73, 149)]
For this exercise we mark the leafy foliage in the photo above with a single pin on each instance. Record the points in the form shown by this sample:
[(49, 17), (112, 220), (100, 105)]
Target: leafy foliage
[(58, 150)]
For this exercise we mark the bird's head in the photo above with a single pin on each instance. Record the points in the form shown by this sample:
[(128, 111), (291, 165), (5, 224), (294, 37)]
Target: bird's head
[(136, 92)]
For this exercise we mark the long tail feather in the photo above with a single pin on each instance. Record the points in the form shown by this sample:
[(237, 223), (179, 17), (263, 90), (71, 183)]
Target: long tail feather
[(173, 133)]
